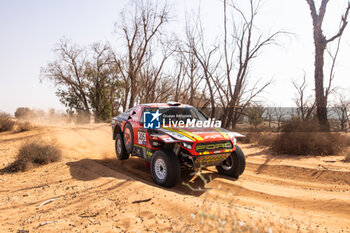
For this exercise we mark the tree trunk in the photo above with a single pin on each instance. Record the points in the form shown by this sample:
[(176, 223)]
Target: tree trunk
[(321, 99), (132, 91)]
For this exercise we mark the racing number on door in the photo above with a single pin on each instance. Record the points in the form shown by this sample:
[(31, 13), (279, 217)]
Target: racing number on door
[(141, 138)]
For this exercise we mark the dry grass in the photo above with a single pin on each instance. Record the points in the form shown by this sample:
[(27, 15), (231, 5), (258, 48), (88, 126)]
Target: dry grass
[(347, 138), (212, 220), (6, 123), (304, 138), (259, 138), (347, 158), (300, 138), (298, 125), (34, 153), (309, 143), (24, 126)]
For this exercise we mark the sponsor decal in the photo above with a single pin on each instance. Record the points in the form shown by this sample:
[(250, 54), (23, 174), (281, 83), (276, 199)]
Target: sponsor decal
[(222, 133), (149, 153), (178, 135), (212, 136), (214, 146), (166, 138)]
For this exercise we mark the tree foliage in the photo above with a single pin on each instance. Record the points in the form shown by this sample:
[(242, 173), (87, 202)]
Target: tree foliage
[(86, 79), (151, 65)]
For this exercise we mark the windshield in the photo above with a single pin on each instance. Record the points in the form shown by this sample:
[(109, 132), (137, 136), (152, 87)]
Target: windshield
[(180, 114)]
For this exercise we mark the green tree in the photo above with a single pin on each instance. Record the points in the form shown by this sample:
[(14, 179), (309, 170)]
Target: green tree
[(24, 113), (255, 115)]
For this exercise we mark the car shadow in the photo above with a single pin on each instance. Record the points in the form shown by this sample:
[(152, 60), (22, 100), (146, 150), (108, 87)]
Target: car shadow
[(137, 169)]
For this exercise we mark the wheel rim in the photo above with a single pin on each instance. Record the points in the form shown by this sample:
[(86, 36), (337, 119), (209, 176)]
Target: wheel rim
[(227, 163), (119, 146), (160, 168), (127, 136)]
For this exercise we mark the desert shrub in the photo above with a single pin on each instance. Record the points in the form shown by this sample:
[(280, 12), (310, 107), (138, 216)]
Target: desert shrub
[(246, 139), (309, 143), (34, 153), (298, 125), (6, 123), (259, 138), (82, 118), (255, 115), (24, 113), (24, 126), (347, 158), (39, 153), (264, 139), (347, 139), (304, 138)]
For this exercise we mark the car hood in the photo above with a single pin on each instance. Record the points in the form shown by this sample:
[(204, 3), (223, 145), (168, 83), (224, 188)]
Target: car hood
[(199, 134)]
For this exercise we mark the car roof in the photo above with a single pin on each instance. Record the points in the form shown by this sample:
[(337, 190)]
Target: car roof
[(165, 105)]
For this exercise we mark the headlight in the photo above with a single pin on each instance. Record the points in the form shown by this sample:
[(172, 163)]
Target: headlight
[(234, 140), (187, 145), (156, 143), (232, 136)]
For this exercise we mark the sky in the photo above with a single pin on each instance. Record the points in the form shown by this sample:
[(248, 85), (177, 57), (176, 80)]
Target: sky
[(30, 29)]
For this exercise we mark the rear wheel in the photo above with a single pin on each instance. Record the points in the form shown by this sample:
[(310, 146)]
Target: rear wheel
[(234, 165), (165, 168), (120, 150)]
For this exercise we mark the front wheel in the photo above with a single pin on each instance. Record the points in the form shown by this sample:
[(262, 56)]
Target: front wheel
[(165, 168), (234, 165)]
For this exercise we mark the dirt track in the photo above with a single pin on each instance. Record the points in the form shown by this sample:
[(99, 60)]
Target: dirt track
[(95, 192)]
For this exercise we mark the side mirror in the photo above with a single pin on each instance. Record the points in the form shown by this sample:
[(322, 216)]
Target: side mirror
[(133, 113), (129, 117)]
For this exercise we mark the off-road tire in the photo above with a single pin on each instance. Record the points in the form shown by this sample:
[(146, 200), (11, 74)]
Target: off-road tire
[(128, 138), (120, 150), (172, 171), (238, 164)]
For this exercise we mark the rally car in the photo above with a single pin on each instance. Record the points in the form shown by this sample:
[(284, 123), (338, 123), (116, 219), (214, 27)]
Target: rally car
[(173, 135)]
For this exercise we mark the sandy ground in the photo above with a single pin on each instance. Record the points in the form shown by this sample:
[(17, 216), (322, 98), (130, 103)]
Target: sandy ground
[(94, 192)]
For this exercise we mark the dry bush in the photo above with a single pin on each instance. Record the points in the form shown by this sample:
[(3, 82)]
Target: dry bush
[(309, 143), (6, 123), (264, 139), (246, 139), (24, 126), (298, 125), (304, 138), (347, 158), (259, 138), (34, 153), (347, 138)]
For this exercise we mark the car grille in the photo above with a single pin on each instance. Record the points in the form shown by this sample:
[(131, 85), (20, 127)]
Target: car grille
[(213, 146), (210, 160)]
